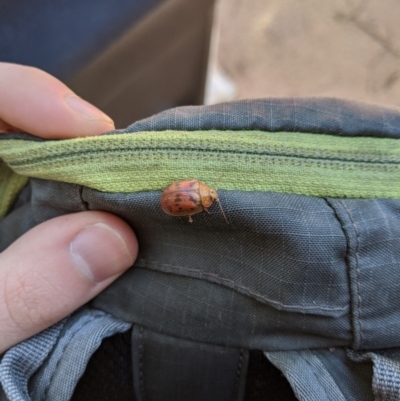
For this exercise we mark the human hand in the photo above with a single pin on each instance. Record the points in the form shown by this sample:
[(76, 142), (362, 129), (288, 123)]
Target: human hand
[(61, 264)]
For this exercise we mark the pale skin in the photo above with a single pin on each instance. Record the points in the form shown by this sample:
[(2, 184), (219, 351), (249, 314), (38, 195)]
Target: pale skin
[(61, 264)]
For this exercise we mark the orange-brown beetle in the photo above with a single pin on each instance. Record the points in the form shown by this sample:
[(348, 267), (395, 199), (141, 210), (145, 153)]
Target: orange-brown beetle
[(189, 197)]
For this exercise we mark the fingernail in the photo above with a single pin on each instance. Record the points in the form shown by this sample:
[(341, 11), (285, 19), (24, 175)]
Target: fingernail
[(100, 252), (86, 109)]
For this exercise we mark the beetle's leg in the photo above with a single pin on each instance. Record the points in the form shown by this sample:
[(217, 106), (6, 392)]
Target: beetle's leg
[(190, 218), (206, 210)]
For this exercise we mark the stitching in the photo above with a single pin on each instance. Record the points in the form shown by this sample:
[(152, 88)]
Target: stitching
[(238, 373), (204, 143), (357, 250), (243, 288), (273, 151), (141, 374)]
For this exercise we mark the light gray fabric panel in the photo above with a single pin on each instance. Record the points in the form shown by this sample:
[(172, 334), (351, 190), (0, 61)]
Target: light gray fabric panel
[(57, 377), (49, 365), (21, 361)]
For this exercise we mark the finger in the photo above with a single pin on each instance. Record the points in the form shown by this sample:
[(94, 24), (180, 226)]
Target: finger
[(33, 101), (57, 267), (5, 128)]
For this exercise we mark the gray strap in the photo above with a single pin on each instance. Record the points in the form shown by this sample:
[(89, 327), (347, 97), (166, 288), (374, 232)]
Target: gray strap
[(169, 368), (307, 375), (386, 381)]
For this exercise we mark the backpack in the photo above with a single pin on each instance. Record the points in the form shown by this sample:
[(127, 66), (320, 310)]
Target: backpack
[(295, 296)]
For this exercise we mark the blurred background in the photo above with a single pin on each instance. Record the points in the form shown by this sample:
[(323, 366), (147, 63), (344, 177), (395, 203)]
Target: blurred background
[(135, 58), (340, 48)]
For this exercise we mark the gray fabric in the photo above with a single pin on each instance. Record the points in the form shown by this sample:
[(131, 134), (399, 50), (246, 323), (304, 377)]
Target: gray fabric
[(47, 200), (235, 270), (278, 249), (215, 314), (315, 115), (58, 376), (258, 291), (15, 224), (170, 368), (326, 115), (372, 228), (22, 361)]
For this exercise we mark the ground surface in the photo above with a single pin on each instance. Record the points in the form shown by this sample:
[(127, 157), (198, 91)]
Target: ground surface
[(340, 48)]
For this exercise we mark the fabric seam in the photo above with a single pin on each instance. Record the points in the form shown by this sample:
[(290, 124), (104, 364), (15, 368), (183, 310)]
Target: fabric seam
[(141, 373), (221, 280), (354, 280), (238, 374), (358, 341), (84, 203)]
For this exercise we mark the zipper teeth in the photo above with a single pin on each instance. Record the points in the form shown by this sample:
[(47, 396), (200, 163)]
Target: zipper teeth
[(124, 151)]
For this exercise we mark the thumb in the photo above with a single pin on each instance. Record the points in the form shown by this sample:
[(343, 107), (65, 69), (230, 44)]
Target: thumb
[(36, 102), (57, 267)]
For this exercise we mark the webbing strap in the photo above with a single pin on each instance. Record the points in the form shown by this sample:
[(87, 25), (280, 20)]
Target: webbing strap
[(386, 372)]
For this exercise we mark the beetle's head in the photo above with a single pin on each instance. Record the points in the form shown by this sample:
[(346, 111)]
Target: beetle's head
[(214, 195)]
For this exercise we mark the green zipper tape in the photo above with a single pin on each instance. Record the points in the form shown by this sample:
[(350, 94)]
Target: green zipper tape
[(300, 163), (10, 185)]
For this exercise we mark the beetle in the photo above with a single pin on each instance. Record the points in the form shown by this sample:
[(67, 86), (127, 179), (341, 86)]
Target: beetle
[(188, 197)]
